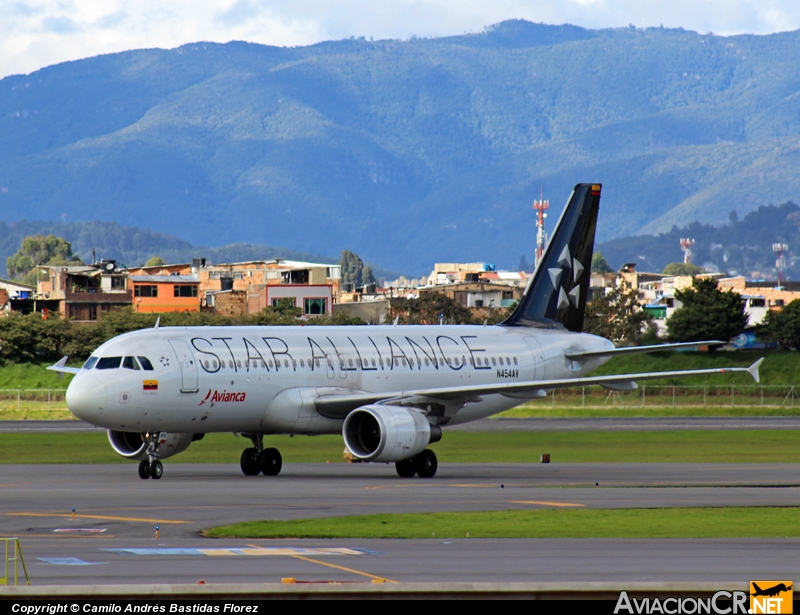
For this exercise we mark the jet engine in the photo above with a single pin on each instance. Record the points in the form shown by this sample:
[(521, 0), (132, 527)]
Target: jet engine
[(387, 433), (132, 445)]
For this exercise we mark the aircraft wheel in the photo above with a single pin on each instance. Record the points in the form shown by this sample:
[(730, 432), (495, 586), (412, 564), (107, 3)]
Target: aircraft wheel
[(405, 468), (156, 469), (426, 463), (144, 469), (270, 461), (249, 462)]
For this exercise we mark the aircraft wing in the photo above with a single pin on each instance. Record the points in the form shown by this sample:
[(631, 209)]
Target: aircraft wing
[(339, 404), (62, 368), (614, 352)]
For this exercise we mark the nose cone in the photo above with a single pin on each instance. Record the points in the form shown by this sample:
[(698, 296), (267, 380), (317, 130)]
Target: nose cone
[(86, 398)]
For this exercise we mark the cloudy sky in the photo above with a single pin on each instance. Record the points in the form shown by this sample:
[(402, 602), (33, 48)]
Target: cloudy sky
[(37, 33)]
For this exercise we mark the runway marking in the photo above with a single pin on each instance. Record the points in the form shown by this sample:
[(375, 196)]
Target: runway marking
[(59, 535), (67, 561), (558, 504), (79, 530), (351, 570), (248, 551), (104, 517)]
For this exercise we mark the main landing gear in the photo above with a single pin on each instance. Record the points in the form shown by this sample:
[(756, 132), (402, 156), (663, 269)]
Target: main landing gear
[(151, 467), (259, 460), (423, 465)]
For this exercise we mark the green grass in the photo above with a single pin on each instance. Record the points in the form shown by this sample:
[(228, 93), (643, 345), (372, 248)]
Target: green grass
[(745, 446), (561, 523), (32, 376)]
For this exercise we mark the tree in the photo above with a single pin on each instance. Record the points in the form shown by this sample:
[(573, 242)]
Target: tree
[(783, 327), (616, 315), (707, 313), (39, 250), (683, 269), (428, 309), (600, 264), (354, 271), (155, 261)]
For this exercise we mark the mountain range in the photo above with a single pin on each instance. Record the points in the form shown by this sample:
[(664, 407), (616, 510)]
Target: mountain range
[(408, 152)]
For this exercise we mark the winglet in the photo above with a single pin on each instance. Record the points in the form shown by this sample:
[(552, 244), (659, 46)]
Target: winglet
[(158, 323), (753, 369)]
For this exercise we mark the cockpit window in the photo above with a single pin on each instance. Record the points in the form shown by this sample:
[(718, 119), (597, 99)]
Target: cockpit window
[(146, 365), (108, 363), (90, 363), (130, 363)]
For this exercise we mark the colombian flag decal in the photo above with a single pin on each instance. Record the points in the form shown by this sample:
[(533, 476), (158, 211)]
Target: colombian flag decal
[(150, 385)]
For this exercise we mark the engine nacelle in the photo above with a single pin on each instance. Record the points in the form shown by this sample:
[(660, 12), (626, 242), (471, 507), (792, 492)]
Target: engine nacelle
[(132, 445), (386, 433)]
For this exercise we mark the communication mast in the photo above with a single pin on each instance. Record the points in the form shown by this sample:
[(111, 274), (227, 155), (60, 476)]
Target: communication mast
[(686, 246), (541, 236), (780, 248)]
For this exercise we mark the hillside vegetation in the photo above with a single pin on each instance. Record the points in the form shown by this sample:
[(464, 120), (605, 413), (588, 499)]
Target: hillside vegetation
[(407, 152)]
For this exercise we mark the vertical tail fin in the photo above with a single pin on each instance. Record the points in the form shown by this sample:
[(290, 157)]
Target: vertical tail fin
[(556, 296)]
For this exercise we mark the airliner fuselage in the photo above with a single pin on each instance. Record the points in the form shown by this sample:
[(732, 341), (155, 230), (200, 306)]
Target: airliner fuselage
[(266, 379)]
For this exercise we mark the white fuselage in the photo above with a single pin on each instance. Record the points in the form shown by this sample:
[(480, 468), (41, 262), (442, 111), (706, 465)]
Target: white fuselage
[(265, 379)]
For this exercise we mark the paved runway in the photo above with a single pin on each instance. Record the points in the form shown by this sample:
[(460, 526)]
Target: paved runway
[(117, 514)]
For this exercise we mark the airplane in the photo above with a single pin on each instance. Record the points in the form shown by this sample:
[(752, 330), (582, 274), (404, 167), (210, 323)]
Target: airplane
[(390, 390), (771, 591)]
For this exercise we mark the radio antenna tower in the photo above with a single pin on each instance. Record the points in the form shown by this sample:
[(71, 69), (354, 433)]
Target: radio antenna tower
[(780, 248), (541, 236), (686, 246)]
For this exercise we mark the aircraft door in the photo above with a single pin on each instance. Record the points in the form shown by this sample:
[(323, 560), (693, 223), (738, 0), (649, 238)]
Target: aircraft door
[(342, 368), (329, 367), (539, 367), (188, 366)]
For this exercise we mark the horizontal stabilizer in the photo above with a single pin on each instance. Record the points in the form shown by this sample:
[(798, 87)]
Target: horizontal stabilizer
[(613, 352), (62, 368)]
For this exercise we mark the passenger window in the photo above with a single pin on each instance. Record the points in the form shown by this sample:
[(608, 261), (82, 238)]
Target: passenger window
[(108, 363), (90, 363), (427, 362), (146, 365), (494, 362), (302, 364), (130, 363), (373, 362), (515, 360)]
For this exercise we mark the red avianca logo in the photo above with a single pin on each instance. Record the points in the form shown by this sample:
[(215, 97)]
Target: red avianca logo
[(225, 396)]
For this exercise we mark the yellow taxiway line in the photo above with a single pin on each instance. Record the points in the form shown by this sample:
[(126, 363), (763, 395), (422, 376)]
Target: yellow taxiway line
[(363, 574), (103, 517), (559, 504)]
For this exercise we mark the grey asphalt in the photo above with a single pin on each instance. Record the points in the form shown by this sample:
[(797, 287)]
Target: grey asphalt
[(36, 502)]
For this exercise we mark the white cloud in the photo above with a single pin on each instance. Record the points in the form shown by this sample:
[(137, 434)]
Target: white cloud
[(36, 33)]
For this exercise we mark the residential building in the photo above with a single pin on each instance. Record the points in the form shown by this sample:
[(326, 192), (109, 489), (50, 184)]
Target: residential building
[(165, 293), (84, 292)]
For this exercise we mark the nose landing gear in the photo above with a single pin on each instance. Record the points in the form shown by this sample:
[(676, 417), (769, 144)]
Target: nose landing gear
[(151, 467)]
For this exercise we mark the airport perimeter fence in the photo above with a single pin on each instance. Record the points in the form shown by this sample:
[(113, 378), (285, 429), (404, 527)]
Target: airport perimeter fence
[(40, 402), (665, 396), (51, 403)]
